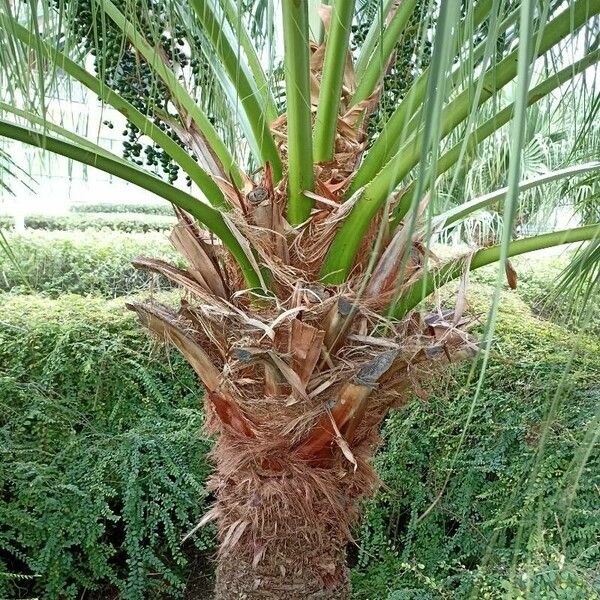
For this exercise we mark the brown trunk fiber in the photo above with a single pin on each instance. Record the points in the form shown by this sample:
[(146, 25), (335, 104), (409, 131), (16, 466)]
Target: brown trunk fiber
[(281, 577), (284, 521), (283, 531)]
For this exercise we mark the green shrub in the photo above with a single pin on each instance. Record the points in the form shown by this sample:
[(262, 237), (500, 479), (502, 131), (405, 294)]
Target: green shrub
[(519, 516), (103, 464), (103, 461), (132, 223), (83, 263), (537, 277), (106, 207)]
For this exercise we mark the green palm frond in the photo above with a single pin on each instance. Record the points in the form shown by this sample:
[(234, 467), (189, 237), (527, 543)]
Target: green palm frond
[(579, 283), (200, 88)]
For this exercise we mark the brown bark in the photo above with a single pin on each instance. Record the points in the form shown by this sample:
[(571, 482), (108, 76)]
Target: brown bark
[(285, 504), (279, 577), (283, 521)]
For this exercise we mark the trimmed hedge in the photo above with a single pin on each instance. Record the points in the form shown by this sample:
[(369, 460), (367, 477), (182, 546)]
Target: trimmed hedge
[(103, 461), (107, 207), (90, 262), (131, 223)]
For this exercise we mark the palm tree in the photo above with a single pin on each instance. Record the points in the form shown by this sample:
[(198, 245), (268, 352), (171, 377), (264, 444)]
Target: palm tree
[(305, 278)]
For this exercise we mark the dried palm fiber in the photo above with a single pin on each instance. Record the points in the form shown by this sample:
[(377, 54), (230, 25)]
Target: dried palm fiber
[(297, 383), (296, 400)]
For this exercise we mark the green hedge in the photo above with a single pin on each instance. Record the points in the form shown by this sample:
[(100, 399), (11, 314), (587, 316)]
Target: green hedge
[(132, 223), (106, 207), (519, 516), (83, 263), (103, 461)]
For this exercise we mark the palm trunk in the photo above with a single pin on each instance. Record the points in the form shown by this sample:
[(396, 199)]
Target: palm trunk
[(297, 572), (291, 467), (295, 409), (284, 522)]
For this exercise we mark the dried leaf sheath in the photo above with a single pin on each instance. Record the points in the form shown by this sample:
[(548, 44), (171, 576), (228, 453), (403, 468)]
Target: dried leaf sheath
[(165, 324)]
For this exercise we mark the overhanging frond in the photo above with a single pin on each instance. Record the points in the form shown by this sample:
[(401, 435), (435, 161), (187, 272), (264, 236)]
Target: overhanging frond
[(208, 216)]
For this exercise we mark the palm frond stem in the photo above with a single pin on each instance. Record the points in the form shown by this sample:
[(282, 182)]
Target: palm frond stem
[(299, 121), (394, 131), (374, 71), (432, 280), (241, 79), (336, 50)]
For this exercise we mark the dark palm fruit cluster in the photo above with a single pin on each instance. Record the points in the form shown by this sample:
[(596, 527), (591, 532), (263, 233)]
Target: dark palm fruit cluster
[(481, 33), (412, 55), (122, 68), (502, 40)]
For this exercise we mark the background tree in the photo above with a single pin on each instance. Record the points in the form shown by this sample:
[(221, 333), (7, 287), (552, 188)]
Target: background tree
[(303, 276)]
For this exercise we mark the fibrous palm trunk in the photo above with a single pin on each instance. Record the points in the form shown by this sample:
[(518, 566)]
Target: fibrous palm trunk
[(292, 520), (287, 493), (297, 380), (240, 580), (295, 431)]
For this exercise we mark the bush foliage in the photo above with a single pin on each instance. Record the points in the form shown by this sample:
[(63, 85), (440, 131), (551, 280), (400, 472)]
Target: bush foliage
[(515, 511), (103, 463), (128, 222), (97, 263), (163, 208)]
